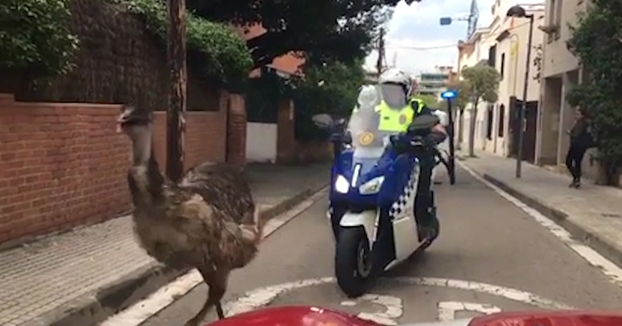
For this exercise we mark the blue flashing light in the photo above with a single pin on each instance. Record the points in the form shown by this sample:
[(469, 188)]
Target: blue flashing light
[(448, 95)]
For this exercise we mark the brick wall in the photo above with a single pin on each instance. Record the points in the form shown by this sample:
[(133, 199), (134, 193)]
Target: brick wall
[(236, 133), (292, 151), (63, 165), (285, 138)]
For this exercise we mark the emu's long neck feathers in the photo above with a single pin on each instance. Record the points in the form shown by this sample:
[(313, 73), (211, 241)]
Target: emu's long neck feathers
[(141, 145), (145, 179)]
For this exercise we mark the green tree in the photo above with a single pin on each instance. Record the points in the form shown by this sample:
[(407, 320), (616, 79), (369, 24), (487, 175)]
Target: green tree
[(597, 41), (35, 37), (482, 84), (462, 99), (325, 30), (459, 104), (215, 48), (328, 88), (429, 100)]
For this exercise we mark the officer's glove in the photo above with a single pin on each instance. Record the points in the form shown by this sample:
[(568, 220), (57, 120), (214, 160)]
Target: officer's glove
[(400, 140), (435, 138), (335, 137)]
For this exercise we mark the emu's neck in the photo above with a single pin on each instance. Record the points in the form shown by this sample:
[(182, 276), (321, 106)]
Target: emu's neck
[(144, 177)]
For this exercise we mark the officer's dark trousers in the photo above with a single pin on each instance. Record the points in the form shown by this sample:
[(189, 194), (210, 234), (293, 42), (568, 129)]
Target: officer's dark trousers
[(423, 199)]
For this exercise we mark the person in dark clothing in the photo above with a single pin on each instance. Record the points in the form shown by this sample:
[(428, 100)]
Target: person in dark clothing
[(580, 140)]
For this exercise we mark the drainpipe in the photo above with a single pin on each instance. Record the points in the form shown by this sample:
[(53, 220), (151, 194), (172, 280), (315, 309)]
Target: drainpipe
[(514, 51)]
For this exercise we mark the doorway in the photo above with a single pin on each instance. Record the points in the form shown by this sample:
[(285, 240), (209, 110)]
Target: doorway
[(529, 140)]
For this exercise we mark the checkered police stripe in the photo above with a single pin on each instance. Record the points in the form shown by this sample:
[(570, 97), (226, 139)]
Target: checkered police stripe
[(408, 193)]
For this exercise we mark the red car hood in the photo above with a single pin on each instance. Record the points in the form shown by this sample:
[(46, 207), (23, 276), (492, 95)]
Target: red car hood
[(312, 316)]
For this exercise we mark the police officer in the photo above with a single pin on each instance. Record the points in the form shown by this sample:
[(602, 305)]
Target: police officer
[(397, 111)]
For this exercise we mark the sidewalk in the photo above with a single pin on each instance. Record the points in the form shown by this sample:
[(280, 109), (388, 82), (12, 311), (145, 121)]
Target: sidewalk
[(82, 277), (592, 214)]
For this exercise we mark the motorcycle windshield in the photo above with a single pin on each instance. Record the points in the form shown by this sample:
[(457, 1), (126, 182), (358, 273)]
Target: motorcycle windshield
[(368, 142)]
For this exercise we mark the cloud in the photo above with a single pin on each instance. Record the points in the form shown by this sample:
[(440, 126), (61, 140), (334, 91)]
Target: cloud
[(417, 42)]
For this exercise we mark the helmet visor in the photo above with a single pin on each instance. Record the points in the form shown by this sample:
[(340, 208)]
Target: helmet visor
[(394, 95)]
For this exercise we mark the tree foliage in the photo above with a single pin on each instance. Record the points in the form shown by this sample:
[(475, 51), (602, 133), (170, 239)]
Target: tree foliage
[(462, 97), (35, 37), (328, 88), (459, 104), (481, 84), (597, 41), (218, 49), (429, 100), (325, 30)]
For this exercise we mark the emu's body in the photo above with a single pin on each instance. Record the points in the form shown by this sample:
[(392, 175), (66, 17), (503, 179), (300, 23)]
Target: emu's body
[(207, 221)]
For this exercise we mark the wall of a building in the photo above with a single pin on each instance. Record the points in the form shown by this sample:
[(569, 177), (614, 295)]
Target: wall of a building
[(514, 49), (261, 145), (560, 72)]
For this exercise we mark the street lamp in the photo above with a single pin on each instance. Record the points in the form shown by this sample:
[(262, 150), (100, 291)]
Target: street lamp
[(519, 12)]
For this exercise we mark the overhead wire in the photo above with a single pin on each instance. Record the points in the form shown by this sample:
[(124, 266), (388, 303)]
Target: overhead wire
[(390, 44)]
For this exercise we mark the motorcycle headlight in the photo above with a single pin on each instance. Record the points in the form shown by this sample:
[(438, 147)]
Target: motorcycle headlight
[(342, 185), (372, 186)]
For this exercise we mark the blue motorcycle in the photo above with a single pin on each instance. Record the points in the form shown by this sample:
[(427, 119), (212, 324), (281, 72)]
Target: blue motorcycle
[(372, 196)]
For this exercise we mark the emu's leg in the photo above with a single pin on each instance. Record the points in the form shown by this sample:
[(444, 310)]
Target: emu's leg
[(217, 282), (219, 311)]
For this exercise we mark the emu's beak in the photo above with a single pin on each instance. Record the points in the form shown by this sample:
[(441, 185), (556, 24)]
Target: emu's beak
[(123, 118)]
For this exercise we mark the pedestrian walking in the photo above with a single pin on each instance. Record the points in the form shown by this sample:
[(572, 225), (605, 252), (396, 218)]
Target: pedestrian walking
[(581, 139)]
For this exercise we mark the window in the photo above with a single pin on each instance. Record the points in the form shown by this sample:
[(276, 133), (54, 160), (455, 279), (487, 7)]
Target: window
[(489, 121), (492, 56), (558, 13), (551, 13), (502, 65), (555, 18), (501, 122)]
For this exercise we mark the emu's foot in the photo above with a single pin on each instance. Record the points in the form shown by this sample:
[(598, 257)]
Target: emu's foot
[(219, 311), (192, 322), (196, 321)]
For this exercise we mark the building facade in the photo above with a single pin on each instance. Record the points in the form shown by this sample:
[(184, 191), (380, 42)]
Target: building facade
[(503, 45), (560, 71), (434, 83)]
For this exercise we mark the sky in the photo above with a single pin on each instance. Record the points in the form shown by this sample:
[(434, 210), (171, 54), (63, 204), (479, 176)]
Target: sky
[(418, 26)]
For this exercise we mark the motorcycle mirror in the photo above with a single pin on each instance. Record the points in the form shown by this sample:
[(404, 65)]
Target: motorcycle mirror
[(425, 122), (322, 120), (347, 138)]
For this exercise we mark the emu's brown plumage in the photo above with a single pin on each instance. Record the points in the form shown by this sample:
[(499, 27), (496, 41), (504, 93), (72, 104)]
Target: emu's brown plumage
[(207, 221)]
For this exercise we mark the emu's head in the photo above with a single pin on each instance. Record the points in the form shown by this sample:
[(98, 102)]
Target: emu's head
[(136, 124)]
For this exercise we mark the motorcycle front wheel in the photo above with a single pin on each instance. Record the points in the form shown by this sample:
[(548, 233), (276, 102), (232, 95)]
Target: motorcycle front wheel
[(352, 261)]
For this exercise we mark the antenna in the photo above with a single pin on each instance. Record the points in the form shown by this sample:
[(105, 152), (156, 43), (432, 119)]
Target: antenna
[(473, 16)]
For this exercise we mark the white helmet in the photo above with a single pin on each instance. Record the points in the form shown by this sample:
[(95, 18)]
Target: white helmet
[(396, 76)]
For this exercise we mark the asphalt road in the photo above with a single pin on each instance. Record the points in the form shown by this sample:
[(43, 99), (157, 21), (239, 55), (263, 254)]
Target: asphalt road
[(484, 239)]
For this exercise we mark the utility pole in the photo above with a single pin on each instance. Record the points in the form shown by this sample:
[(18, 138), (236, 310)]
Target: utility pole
[(176, 55), (381, 53)]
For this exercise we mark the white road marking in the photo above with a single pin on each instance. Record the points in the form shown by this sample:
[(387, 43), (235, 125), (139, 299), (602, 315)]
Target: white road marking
[(263, 296), (393, 308), (611, 270), (447, 309), (166, 295)]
